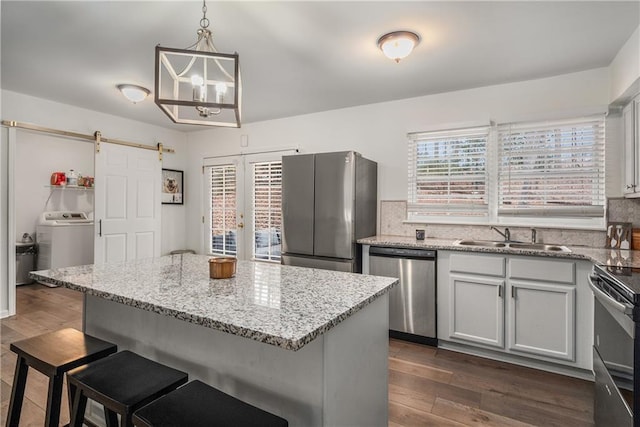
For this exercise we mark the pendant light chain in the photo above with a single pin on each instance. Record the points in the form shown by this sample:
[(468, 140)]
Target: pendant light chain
[(204, 22)]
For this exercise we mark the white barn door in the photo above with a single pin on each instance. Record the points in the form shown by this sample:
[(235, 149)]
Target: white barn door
[(127, 204)]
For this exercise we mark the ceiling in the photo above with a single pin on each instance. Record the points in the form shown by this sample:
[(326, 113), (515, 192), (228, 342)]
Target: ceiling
[(302, 57)]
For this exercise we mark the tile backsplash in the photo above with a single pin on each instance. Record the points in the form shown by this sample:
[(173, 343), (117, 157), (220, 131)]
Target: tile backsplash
[(394, 212)]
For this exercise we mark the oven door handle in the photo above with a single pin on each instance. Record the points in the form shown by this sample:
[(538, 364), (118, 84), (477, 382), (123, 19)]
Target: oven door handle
[(626, 309)]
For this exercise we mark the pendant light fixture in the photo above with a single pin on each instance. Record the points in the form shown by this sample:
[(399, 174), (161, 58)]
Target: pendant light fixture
[(398, 44), (198, 85)]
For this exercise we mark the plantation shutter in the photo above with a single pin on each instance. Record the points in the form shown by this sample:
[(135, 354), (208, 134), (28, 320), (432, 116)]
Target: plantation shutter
[(223, 209), (447, 173), (552, 168), (267, 209)]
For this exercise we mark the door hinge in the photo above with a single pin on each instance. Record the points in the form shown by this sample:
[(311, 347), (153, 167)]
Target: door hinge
[(203, 219), (160, 151), (202, 170), (513, 291)]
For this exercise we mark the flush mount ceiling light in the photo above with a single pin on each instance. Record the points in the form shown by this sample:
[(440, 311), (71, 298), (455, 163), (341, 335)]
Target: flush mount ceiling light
[(198, 85), (134, 93), (398, 44)]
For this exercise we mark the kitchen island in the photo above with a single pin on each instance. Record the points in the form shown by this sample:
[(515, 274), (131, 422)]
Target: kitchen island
[(309, 345)]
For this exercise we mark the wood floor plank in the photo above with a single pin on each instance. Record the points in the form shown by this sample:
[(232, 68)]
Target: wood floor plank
[(520, 387), (411, 398), (420, 370), (533, 412), (435, 389), (409, 417), (5, 391), (472, 416)]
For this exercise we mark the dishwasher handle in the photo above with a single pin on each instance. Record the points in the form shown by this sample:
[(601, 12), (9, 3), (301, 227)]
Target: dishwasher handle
[(402, 253)]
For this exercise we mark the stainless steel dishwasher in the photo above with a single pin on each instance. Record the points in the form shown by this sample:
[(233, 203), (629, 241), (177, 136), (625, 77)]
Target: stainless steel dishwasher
[(412, 304)]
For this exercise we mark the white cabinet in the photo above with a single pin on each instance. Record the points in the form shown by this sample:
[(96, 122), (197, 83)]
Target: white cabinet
[(476, 309), (542, 319), (533, 307), (631, 134)]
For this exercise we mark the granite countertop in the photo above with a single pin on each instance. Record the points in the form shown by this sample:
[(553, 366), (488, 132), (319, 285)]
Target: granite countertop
[(284, 306), (617, 257)]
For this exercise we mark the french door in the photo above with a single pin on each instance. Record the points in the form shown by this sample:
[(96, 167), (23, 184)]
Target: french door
[(243, 201)]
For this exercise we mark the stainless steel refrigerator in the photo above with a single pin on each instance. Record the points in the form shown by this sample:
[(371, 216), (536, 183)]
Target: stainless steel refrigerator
[(329, 200)]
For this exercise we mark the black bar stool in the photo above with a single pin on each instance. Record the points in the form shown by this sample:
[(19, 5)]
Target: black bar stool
[(122, 383), (53, 354), (199, 405)]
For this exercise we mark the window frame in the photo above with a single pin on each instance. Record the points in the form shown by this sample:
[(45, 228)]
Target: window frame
[(493, 183)]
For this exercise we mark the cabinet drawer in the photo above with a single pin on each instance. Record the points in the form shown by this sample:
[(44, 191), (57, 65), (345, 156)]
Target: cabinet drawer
[(542, 269), (480, 264)]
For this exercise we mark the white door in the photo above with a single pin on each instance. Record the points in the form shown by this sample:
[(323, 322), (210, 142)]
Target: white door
[(243, 206), (127, 203)]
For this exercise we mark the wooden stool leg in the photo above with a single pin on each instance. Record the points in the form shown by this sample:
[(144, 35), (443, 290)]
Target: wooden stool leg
[(17, 392), (127, 420), (110, 417), (79, 406), (54, 399), (71, 393)]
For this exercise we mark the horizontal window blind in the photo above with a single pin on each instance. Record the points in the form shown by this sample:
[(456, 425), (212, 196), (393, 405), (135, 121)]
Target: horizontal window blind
[(447, 172), (552, 168), (223, 209), (267, 210)]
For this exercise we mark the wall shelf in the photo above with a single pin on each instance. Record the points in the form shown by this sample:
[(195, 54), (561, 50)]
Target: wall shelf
[(64, 187)]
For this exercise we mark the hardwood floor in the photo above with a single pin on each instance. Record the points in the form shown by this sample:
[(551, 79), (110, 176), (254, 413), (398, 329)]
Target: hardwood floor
[(427, 386)]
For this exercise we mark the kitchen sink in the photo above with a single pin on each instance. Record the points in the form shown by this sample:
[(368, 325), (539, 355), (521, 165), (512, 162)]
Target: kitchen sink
[(539, 247), (513, 245), (482, 243)]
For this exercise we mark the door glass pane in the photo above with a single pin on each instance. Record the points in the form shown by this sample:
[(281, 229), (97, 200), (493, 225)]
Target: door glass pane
[(267, 210), (223, 210)]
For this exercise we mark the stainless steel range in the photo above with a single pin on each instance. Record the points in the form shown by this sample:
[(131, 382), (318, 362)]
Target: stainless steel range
[(616, 345)]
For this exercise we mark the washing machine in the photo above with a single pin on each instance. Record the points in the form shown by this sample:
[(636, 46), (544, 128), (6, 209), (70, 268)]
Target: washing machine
[(64, 239)]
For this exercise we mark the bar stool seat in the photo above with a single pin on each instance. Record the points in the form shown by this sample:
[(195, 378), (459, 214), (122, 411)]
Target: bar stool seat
[(122, 383), (53, 354), (200, 405)]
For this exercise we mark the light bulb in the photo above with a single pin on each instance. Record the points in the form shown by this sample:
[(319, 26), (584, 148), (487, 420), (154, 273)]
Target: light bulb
[(199, 89), (221, 91)]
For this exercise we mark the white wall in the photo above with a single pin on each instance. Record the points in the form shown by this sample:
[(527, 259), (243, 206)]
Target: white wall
[(378, 131), (37, 156), (625, 69)]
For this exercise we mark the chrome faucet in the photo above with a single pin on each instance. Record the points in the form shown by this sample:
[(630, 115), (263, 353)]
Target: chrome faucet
[(506, 234), (534, 235)]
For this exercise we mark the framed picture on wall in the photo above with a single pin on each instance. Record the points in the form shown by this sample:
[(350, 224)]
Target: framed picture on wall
[(172, 187)]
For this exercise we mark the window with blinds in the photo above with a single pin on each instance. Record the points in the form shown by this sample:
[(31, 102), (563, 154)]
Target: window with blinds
[(552, 168), (223, 210), (267, 210), (447, 173)]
